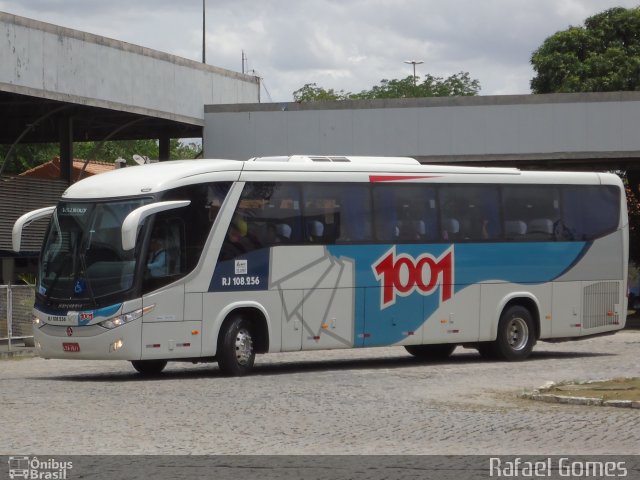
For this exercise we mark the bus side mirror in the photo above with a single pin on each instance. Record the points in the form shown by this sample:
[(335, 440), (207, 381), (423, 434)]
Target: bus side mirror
[(25, 220), (135, 218)]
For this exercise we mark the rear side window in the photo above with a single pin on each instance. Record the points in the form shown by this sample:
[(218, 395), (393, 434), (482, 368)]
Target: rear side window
[(589, 212)]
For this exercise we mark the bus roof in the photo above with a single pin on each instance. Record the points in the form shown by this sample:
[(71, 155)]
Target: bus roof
[(338, 159), (157, 177)]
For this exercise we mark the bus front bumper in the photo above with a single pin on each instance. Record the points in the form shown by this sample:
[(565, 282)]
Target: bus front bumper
[(90, 342)]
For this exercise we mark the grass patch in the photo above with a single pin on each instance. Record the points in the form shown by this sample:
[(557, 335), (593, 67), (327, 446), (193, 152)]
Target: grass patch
[(615, 389)]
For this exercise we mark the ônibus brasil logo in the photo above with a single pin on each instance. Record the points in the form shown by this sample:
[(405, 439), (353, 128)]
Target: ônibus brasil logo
[(402, 275)]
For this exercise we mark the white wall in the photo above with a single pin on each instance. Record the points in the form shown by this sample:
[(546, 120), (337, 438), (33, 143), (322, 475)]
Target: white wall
[(46, 60), (524, 125)]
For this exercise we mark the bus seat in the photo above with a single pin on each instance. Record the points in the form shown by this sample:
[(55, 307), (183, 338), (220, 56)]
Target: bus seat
[(315, 230), (540, 225), (514, 228), (283, 230), (450, 228)]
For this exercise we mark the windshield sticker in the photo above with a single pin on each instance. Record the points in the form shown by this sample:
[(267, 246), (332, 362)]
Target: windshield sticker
[(73, 211), (80, 286)]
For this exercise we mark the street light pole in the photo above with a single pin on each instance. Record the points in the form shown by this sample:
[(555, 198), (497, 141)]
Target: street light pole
[(414, 63)]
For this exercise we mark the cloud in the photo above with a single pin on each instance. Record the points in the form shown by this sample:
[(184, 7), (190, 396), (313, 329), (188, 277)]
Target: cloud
[(342, 44)]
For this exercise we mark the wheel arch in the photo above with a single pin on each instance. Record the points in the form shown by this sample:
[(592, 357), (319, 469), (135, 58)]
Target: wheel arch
[(524, 299), (256, 314)]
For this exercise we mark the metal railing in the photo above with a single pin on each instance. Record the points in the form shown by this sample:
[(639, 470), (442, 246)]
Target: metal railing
[(16, 306)]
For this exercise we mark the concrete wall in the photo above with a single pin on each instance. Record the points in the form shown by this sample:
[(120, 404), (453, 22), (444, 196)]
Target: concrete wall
[(58, 63), (432, 129)]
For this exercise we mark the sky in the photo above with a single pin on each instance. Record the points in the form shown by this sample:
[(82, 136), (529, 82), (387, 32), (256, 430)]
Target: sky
[(346, 45)]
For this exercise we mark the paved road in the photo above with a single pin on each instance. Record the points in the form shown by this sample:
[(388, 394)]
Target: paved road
[(377, 401)]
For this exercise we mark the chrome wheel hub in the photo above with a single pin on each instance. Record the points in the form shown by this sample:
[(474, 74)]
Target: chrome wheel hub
[(517, 333), (244, 347)]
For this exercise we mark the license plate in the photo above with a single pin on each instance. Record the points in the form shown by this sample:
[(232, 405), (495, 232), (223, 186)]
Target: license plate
[(71, 347)]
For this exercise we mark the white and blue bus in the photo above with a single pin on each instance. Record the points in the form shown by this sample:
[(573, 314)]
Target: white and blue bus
[(218, 260)]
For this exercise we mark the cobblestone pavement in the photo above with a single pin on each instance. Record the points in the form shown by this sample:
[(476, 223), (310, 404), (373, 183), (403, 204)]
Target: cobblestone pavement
[(375, 401)]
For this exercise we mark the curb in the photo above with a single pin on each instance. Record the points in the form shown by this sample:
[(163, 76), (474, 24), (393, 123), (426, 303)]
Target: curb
[(20, 353), (589, 401)]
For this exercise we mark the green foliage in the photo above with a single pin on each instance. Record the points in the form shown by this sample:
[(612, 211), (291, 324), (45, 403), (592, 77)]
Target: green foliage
[(310, 92), (602, 56), (459, 84), (26, 156)]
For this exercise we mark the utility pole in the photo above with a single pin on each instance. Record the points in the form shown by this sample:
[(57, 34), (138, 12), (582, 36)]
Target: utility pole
[(204, 56)]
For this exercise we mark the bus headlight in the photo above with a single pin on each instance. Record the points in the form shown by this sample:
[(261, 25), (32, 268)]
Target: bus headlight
[(125, 317)]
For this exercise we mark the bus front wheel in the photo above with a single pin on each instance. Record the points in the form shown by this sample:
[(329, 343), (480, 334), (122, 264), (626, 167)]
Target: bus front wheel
[(149, 367), (516, 335), (236, 350)]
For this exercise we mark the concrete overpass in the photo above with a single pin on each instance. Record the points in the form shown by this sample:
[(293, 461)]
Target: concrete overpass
[(594, 131), (64, 85)]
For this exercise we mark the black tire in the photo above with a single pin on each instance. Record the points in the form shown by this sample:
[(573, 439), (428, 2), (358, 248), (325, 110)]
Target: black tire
[(149, 367), (236, 350), (431, 352), (516, 334)]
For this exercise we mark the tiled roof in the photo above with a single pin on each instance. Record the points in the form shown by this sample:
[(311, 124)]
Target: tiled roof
[(52, 169)]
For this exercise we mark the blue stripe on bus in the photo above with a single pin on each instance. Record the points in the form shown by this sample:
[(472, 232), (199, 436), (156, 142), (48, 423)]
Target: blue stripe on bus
[(523, 263), (385, 324)]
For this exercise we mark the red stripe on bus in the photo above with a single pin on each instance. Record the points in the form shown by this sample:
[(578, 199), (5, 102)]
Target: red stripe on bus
[(394, 178)]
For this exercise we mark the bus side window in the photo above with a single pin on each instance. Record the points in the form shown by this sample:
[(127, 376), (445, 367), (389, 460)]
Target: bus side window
[(336, 213), (165, 258), (405, 213), (531, 212), (476, 210), (588, 212)]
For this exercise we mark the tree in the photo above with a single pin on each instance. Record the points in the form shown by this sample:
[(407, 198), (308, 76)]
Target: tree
[(459, 84), (26, 156), (602, 56), (310, 92)]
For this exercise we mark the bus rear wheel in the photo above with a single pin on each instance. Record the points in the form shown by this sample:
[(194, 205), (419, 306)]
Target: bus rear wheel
[(149, 367), (236, 350), (430, 352), (516, 335)]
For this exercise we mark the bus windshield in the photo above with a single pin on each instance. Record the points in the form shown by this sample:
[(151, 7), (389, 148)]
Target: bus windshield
[(82, 257)]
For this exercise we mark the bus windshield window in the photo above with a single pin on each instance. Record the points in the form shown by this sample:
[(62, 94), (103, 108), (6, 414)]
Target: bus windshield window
[(82, 257)]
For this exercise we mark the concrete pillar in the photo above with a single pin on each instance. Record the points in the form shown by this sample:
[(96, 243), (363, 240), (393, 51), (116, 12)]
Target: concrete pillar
[(164, 147), (65, 129)]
